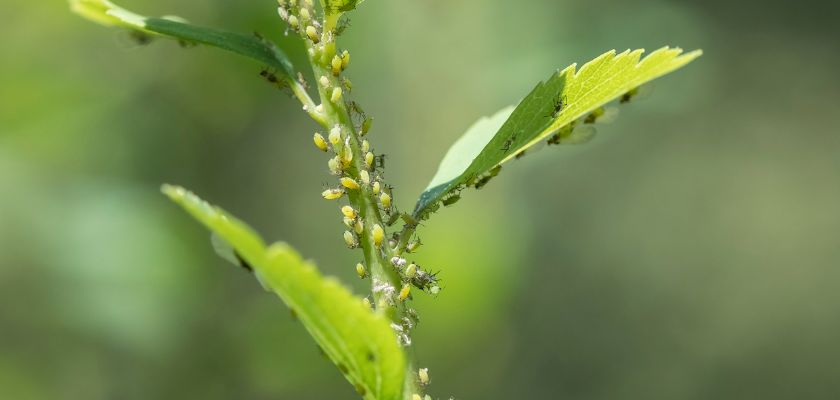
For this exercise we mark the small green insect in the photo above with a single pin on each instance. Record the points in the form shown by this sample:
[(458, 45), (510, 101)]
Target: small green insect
[(450, 200)]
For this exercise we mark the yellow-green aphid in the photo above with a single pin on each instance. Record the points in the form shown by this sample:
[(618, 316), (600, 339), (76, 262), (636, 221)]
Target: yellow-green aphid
[(416, 396), (366, 126), (349, 183), (319, 109), (360, 269), (349, 222), (293, 3), (427, 397), (413, 245), (378, 235), (385, 199), (594, 115), (345, 59), (405, 291), (335, 135), (332, 194), (336, 65), (350, 239), (336, 95), (366, 303), (365, 146), (308, 3), (346, 155), (365, 176), (320, 143), (304, 15), (335, 165), (324, 81), (369, 159), (293, 22), (411, 271), (359, 226), (423, 374), (348, 212), (375, 187), (347, 84)]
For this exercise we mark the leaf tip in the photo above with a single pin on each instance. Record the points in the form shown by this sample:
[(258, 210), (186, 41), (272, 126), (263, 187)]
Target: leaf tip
[(174, 192)]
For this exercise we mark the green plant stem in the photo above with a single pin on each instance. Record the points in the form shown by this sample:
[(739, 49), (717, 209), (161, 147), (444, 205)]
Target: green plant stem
[(308, 105), (336, 113)]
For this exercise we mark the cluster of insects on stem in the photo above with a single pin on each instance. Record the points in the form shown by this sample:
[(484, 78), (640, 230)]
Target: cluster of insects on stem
[(358, 171)]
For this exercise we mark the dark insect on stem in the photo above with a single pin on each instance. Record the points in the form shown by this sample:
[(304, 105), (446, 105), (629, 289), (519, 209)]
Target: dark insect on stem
[(592, 117), (343, 24), (519, 155), (562, 133), (269, 76), (626, 97), (140, 37), (379, 161)]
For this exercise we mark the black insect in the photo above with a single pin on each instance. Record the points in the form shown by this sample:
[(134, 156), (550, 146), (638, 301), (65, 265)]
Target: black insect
[(559, 103), (520, 154), (379, 161), (269, 76), (139, 37), (562, 133), (626, 97), (506, 145)]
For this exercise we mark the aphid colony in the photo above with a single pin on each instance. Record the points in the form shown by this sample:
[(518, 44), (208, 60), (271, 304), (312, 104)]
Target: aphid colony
[(357, 168)]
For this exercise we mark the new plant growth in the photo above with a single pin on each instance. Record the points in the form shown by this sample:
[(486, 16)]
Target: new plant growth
[(368, 338)]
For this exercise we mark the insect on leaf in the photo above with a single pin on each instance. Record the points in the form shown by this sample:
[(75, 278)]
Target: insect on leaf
[(357, 340), (109, 14), (551, 106)]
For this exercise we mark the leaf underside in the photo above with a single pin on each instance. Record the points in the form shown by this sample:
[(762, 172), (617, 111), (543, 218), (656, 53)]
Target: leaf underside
[(549, 109), (251, 46), (357, 340)]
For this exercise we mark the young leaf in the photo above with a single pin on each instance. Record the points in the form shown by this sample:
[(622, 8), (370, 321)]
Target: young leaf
[(109, 14), (564, 98), (358, 341), (342, 5)]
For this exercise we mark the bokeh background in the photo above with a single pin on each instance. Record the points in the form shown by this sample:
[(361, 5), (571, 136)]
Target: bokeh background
[(690, 252)]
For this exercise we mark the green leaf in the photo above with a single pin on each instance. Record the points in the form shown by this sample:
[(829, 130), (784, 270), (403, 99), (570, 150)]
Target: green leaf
[(357, 340), (549, 109), (252, 46), (342, 5)]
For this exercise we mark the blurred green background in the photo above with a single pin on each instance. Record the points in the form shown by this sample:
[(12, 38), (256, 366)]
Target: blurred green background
[(690, 252)]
